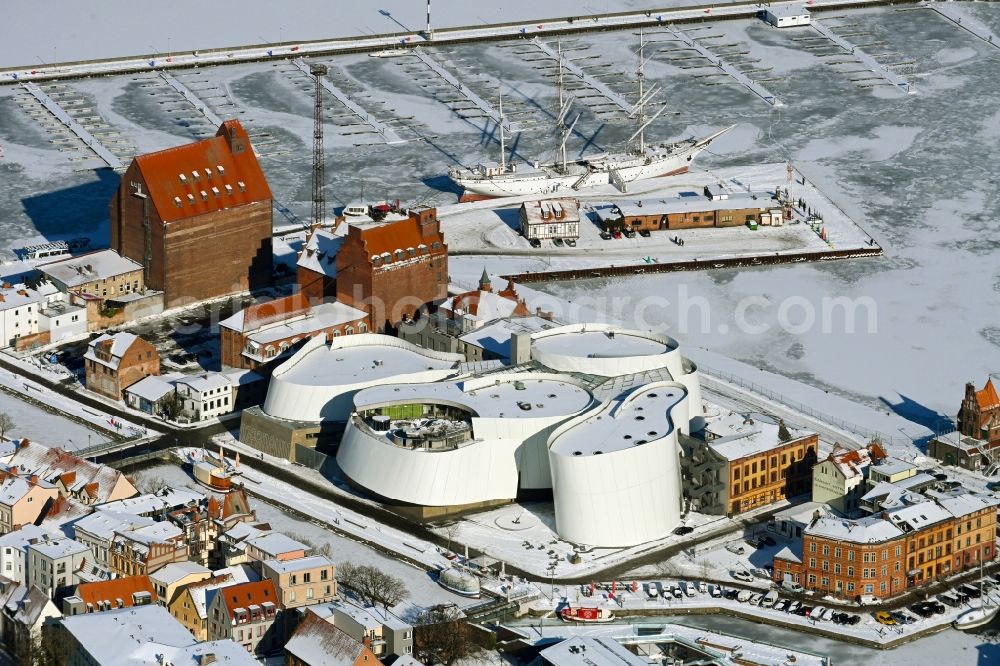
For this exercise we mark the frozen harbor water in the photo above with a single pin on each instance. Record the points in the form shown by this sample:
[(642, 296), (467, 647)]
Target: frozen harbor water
[(916, 170)]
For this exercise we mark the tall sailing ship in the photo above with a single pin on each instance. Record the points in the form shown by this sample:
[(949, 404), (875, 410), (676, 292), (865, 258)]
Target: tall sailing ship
[(638, 162)]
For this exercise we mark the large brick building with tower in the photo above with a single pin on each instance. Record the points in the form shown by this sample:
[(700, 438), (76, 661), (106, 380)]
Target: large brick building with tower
[(197, 218), (391, 270)]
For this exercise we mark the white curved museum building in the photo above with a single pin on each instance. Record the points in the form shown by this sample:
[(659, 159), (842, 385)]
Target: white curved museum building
[(596, 420)]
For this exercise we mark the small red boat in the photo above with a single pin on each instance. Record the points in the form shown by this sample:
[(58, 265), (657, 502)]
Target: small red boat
[(586, 615)]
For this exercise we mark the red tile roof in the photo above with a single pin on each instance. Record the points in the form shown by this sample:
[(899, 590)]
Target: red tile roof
[(246, 594), (987, 397), (395, 236), (262, 314), (119, 588), (162, 172)]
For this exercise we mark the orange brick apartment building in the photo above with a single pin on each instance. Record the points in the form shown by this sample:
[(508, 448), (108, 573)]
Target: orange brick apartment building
[(390, 271), (891, 552), (745, 462), (197, 218)]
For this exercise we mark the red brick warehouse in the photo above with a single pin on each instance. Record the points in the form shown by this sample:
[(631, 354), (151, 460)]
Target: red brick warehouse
[(197, 218)]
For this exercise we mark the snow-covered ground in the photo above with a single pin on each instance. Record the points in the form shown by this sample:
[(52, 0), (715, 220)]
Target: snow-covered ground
[(423, 589), (482, 228)]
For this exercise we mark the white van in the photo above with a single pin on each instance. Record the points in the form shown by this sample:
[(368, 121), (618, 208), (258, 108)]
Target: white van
[(792, 586)]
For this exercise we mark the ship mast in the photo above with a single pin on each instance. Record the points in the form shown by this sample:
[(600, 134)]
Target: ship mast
[(503, 145), (564, 107), (641, 103)]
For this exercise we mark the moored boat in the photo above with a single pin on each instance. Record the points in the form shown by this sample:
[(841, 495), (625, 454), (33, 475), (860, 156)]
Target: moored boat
[(587, 615), (976, 617), (460, 581)]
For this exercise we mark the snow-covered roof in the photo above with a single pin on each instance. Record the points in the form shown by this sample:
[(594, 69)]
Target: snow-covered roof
[(963, 442), (175, 571), (602, 344), (488, 306), (53, 464), (55, 548), (918, 516), (637, 417), (332, 366), (494, 336), (298, 564), (135, 636), (695, 204), (740, 436), (20, 295), (591, 651), (892, 466), (320, 252), (317, 641), (206, 381), (151, 388), (104, 524), (202, 591), (165, 499), (86, 268), (791, 552), (13, 489), (316, 318), (117, 344), (274, 544), (20, 538), (506, 396), (787, 10), (552, 211), (871, 529), (966, 503)]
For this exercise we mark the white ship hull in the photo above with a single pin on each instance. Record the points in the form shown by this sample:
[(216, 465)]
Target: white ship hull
[(664, 160), (976, 617)]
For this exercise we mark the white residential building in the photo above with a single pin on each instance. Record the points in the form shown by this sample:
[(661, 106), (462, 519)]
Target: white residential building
[(206, 396), (552, 218), (13, 549), (26, 312), (53, 564)]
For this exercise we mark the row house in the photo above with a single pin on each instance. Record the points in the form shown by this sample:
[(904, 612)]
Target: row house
[(247, 613), (114, 362), (108, 595), (317, 642), (302, 581), (379, 628), (903, 547), (23, 499), (14, 549), (54, 565), (168, 580), (144, 550), (76, 478), (189, 605), (98, 530), (24, 610), (32, 316), (742, 462), (840, 480)]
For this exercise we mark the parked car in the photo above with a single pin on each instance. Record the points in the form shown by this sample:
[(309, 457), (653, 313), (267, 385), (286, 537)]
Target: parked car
[(703, 587), (558, 242), (571, 242), (768, 540), (838, 617), (949, 600), (676, 592), (961, 596), (652, 590), (741, 574), (689, 588), (681, 530), (794, 606), (922, 609), (534, 242), (731, 594), (792, 586), (971, 590), (716, 591), (629, 233), (902, 618), (756, 598), (804, 610), (735, 548), (852, 619), (782, 605), (770, 599), (884, 617), (616, 234), (938, 607), (816, 613), (605, 235)]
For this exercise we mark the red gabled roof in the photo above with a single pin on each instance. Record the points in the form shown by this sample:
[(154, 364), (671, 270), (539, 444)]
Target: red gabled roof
[(262, 314), (112, 590), (395, 236), (161, 171), (246, 594), (987, 397)]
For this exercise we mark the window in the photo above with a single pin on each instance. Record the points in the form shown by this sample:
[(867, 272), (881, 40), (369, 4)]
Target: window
[(836, 551), (826, 549)]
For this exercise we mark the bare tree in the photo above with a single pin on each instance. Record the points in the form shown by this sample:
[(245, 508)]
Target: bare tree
[(149, 484), (442, 636), (371, 585), (451, 531), (6, 423)]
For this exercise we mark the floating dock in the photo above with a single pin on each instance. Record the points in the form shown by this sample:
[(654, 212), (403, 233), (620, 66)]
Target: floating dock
[(195, 101), (741, 78), (869, 62), (79, 130), (970, 25), (387, 133), (585, 77)]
